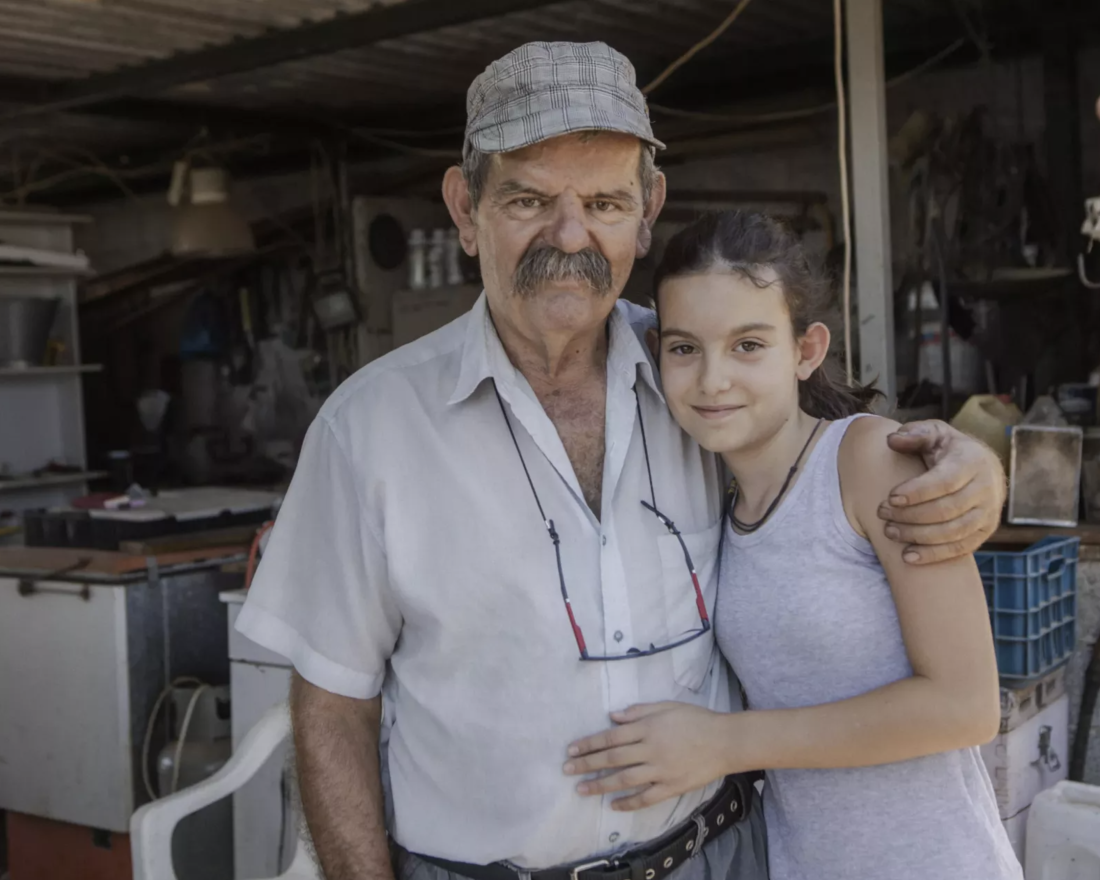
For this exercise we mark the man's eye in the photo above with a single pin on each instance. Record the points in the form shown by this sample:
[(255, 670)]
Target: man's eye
[(603, 206), (529, 202)]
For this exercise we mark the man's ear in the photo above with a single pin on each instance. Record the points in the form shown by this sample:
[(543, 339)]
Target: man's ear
[(653, 340), (813, 347), (456, 194), (649, 217)]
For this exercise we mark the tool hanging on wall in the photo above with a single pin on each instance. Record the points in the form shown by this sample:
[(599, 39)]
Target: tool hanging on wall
[(1091, 230)]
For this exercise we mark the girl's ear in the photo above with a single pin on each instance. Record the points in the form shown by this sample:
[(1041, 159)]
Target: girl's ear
[(813, 346)]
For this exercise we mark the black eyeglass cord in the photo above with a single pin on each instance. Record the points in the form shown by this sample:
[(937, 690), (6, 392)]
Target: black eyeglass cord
[(749, 528), (704, 618), (645, 449)]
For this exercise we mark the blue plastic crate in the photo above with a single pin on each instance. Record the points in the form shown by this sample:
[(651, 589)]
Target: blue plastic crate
[(1032, 597)]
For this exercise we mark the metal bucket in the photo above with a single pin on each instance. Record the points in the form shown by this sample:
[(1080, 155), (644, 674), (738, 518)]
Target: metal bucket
[(25, 324)]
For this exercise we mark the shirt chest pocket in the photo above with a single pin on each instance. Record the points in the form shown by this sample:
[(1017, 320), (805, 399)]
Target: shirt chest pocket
[(690, 661)]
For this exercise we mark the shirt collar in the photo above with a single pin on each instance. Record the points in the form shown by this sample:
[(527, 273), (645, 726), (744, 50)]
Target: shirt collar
[(483, 355)]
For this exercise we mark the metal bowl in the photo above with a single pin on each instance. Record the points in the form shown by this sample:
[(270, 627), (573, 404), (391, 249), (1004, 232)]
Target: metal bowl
[(25, 324)]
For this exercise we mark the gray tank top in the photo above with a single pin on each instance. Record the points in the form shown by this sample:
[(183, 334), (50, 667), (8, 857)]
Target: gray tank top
[(805, 616)]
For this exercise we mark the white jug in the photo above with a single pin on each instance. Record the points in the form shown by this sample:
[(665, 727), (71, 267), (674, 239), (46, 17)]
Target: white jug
[(1063, 834)]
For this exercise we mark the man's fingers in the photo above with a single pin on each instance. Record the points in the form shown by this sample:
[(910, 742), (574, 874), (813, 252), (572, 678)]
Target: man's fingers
[(969, 528), (939, 511), (927, 555), (646, 798), (950, 474), (622, 756), (608, 739), (916, 438), (632, 777)]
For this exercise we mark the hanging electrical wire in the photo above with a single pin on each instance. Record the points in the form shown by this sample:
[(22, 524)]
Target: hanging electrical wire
[(845, 206), (411, 132), (812, 110), (697, 48), (76, 162), (366, 135)]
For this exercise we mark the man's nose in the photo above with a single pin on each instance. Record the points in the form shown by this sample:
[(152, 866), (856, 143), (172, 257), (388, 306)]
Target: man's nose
[(568, 230)]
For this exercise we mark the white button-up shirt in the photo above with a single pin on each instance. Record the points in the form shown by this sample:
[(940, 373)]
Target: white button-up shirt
[(409, 558)]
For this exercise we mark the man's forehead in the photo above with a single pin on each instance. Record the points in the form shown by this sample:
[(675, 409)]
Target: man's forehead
[(582, 164)]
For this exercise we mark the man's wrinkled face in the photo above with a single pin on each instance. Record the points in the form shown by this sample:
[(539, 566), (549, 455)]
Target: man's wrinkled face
[(557, 231)]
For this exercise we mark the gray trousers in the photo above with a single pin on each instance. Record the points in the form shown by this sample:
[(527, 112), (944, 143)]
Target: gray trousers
[(739, 854)]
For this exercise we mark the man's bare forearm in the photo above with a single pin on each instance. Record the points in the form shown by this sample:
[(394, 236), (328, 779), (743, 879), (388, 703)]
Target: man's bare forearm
[(336, 740)]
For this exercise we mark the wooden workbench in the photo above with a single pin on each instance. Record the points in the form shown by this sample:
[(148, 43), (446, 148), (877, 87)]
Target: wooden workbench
[(1088, 533)]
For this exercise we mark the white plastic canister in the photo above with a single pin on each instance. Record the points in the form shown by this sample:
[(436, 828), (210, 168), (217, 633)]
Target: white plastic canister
[(1063, 833)]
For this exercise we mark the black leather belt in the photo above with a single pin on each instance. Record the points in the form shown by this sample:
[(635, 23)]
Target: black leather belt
[(654, 861)]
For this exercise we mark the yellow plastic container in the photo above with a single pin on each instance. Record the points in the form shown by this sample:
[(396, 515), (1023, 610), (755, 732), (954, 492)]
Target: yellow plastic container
[(988, 418)]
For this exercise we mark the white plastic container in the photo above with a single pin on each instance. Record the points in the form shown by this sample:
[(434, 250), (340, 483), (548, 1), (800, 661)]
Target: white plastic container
[(1063, 834)]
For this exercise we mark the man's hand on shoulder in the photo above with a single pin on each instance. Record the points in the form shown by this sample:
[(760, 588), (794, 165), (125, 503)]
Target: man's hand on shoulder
[(952, 509)]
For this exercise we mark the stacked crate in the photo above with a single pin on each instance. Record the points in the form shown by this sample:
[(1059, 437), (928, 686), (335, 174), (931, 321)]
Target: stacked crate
[(1032, 597)]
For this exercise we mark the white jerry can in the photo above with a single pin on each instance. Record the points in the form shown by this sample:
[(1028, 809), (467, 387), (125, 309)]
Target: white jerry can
[(1063, 833)]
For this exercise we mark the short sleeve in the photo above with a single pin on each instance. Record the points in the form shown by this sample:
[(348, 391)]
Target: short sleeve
[(321, 595)]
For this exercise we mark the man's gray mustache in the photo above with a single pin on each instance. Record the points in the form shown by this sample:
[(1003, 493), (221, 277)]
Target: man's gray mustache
[(543, 265)]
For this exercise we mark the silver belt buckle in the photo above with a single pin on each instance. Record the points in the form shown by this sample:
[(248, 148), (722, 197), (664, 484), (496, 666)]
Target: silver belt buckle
[(602, 863), (700, 836)]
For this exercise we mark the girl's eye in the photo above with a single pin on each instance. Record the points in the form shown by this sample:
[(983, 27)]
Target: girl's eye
[(748, 346), (682, 349)]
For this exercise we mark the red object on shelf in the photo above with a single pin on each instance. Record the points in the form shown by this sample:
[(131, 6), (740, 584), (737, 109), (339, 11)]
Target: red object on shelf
[(95, 501), (42, 849)]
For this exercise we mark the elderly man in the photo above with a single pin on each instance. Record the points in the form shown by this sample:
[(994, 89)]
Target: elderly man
[(486, 533)]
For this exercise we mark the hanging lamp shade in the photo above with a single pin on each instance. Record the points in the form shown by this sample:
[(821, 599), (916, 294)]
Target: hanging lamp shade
[(209, 225)]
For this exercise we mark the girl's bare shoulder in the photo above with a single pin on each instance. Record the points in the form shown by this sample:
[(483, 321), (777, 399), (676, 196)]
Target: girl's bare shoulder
[(869, 468)]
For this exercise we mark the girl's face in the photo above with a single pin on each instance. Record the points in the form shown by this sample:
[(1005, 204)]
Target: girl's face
[(730, 363)]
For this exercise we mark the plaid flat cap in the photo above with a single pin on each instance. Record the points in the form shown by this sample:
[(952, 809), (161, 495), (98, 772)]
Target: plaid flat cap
[(542, 90)]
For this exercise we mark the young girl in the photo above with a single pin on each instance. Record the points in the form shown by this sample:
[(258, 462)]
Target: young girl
[(869, 681)]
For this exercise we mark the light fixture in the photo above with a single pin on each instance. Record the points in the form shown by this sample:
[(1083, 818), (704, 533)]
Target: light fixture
[(204, 222), (334, 302)]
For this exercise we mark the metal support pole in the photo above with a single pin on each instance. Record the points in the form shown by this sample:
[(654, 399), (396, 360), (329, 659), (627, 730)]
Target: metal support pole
[(871, 195)]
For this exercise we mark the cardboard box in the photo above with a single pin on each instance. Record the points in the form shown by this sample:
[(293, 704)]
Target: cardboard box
[(1028, 759), (1019, 705)]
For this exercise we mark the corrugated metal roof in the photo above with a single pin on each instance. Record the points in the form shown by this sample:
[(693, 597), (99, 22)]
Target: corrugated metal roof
[(61, 39), (65, 39), (413, 77), (442, 63)]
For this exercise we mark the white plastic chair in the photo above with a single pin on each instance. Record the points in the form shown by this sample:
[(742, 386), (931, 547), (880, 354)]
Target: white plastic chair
[(151, 826)]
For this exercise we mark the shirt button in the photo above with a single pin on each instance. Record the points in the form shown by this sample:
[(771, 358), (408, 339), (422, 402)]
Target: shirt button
[(614, 836), (604, 539), (618, 635)]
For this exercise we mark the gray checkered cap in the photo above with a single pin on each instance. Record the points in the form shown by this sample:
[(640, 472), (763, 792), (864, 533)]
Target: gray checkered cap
[(542, 90)]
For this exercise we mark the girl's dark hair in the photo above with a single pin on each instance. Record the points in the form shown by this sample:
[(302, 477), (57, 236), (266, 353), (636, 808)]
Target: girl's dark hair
[(748, 243)]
